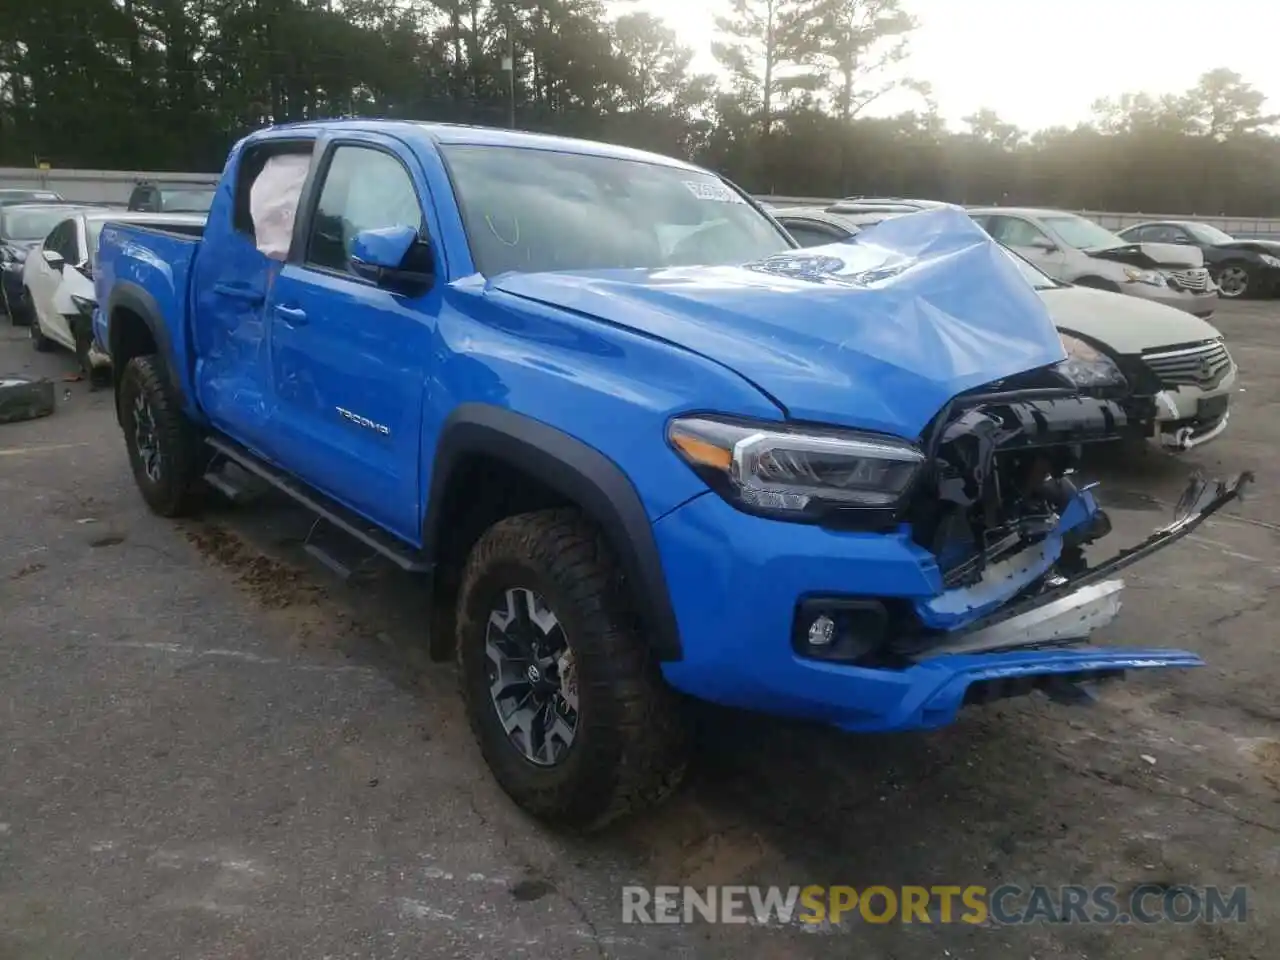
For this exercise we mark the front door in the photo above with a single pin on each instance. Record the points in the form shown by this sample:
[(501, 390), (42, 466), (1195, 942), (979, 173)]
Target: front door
[(44, 280), (350, 360)]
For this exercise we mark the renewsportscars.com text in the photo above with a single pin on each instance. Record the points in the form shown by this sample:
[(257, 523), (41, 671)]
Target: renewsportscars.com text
[(973, 904)]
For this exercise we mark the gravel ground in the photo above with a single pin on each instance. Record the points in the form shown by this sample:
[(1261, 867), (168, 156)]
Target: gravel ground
[(210, 748)]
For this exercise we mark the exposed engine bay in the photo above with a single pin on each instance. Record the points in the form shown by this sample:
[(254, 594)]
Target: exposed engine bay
[(1002, 480), (1009, 527)]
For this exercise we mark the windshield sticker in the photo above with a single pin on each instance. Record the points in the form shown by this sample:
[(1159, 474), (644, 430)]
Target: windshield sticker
[(715, 192)]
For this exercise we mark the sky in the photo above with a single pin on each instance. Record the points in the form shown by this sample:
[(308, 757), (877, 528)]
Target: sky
[(1041, 63)]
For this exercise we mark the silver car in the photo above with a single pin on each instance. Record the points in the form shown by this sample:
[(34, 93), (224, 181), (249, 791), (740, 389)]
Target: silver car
[(1076, 250)]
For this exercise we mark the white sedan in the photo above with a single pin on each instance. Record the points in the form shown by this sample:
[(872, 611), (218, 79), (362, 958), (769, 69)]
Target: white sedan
[(58, 277)]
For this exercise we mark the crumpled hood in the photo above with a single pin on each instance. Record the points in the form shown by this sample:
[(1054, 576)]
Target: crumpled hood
[(878, 332), (1151, 254), (21, 248)]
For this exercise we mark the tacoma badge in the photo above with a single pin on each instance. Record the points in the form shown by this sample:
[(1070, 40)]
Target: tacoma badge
[(365, 422)]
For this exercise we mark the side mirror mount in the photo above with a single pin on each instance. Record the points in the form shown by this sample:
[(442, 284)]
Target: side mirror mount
[(396, 258), (53, 259)]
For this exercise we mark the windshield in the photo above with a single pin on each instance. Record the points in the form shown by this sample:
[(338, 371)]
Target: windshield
[(1033, 276), (1081, 233), (1207, 234), (24, 225), (529, 210), (198, 200)]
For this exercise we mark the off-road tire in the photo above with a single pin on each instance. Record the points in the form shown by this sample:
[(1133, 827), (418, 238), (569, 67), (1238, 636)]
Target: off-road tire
[(39, 341), (22, 398), (176, 491), (631, 745)]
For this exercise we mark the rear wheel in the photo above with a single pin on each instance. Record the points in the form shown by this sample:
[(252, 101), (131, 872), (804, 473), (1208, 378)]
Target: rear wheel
[(163, 445), (564, 698), (1233, 280)]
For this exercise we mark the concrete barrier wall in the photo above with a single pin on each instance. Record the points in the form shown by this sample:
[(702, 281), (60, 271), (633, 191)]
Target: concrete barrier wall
[(114, 186), (92, 186), (1261, 227)]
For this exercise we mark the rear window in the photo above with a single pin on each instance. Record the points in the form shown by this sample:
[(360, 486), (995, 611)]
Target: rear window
[(21, 224)]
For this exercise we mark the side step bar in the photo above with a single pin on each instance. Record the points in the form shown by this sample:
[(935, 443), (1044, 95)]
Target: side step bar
[(401, 554)]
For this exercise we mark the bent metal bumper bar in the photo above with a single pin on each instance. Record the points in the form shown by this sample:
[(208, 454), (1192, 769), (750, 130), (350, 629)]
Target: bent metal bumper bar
[(1072, 609)]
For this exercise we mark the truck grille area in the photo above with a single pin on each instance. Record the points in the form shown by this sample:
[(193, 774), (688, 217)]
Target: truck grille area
[(1201, 365)]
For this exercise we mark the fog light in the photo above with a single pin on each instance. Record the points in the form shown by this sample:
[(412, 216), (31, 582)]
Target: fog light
[(822, 631)]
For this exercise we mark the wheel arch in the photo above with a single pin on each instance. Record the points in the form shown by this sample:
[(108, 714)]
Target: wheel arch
[(135, 327), (531, 465)]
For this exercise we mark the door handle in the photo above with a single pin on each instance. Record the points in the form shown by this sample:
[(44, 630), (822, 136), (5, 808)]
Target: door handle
[(237, 292), (291, 316)]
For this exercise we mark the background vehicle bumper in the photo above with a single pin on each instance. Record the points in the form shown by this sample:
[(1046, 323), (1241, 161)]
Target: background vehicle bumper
[(1200, 304), (736, 581), (1188, 416)]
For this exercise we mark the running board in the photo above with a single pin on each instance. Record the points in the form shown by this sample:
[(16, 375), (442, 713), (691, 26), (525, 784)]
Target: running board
[(328, 509)]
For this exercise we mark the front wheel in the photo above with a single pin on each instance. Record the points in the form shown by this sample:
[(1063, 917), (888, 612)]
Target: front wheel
[(39, 341), (563, 696), (1233, 281), (163, 445)]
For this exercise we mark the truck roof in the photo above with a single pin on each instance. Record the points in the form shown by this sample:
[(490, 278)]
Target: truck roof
[(457, 133)]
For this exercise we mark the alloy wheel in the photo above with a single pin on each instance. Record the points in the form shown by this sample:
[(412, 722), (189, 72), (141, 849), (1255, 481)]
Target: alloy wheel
[(145, 439), (1233, 282), (532, 678)]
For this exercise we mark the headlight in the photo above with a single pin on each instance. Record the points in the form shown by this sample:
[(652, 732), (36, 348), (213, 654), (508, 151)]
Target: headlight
[(791, 471), (1087, 366), (1154, 277), (1269, 260), (84, 304)]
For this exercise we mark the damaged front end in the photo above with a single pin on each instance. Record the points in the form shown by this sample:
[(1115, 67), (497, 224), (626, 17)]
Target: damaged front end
[(1009, 527)]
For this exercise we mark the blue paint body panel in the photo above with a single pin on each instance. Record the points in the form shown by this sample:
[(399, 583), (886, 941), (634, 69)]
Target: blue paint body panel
[(349, 387)]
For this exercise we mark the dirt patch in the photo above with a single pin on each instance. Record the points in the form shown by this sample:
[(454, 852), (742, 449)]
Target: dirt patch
[(275, 585), (1267, 754), (26, 571)]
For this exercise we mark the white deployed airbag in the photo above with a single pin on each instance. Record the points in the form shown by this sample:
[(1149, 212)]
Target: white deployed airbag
[(273, 202)]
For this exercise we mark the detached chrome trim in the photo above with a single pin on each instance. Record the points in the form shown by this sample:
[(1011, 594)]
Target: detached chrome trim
[(1185, 438), (1072, 617)]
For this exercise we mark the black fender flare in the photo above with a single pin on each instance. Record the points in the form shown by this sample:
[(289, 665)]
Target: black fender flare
[(132, 297), (579, 473)]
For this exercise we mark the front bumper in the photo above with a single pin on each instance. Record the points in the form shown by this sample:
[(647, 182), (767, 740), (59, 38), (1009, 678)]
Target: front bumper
[(736, 582), (1202, 304)]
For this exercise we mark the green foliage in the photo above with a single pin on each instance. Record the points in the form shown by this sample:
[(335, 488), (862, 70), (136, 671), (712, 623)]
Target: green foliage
[(171, 84)]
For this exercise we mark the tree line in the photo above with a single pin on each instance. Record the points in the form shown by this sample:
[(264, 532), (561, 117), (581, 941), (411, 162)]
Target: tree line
[(171, 84)]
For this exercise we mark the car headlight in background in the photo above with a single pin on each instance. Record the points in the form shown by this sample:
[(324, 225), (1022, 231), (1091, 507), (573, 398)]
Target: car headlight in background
[(1153, 277), (788, 471), (1087, 366), (1269, 260), (84, 304)]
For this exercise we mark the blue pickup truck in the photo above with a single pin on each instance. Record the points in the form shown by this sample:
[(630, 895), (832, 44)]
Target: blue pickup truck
[(639, 445)]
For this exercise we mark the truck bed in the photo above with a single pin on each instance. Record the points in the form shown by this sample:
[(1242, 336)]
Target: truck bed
[(144, 261)]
